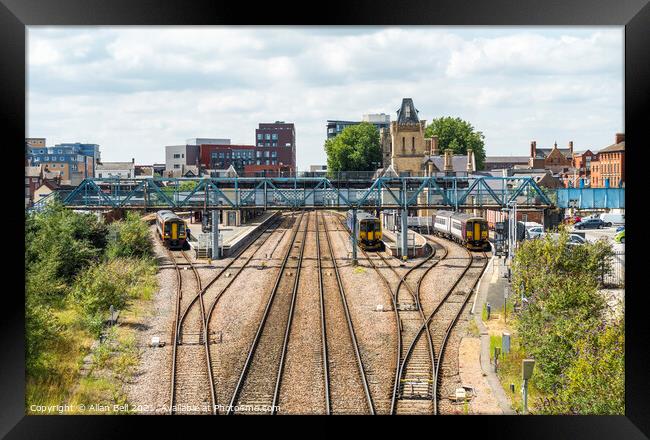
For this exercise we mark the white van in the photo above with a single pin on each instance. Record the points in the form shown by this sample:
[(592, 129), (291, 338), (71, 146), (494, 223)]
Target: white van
[(613, 219)]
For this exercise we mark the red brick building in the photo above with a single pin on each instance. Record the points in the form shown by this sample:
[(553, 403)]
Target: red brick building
[(274, 153), (279, 138), (609, 169)]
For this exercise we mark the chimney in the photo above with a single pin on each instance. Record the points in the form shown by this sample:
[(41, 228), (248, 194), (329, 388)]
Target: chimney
[(571, 147), (133, 160), (469, 160), (533, 149), (434, 146), (620, 137), (448, 161)]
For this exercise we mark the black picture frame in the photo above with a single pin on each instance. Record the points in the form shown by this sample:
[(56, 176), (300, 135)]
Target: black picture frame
[(15, 15)]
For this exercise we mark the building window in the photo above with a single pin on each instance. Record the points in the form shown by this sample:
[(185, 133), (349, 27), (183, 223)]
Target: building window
[(274, 144), (267, 136), (176, 166), (177, 156), (260, 144), (268, 144), (274, 153), (274, 136), (259, 136)]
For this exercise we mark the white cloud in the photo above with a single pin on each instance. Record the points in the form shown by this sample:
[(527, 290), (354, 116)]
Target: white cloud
[(134, 90)]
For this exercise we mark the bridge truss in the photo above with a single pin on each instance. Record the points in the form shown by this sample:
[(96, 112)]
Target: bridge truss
[(434, 192)]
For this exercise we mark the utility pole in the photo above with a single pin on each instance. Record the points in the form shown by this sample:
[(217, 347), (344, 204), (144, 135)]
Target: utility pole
[(215, 234)]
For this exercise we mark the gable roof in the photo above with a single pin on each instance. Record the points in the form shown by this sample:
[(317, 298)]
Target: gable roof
[(407, 114), (543, 153), (458, 162)]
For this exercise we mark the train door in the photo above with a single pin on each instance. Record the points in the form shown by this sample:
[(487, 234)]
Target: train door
[(477, 231), (174, 231)]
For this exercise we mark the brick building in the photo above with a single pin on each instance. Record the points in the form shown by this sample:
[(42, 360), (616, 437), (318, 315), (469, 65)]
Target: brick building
[(557, 160), (582, 165), (279, 139), (609, 169)]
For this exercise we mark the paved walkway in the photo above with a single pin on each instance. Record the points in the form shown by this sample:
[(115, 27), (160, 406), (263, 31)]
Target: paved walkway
[(491, 288)]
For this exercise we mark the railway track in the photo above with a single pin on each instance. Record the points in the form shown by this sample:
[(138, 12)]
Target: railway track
[(189, 331), (258, 387), (346, 384), (414, 393), (187, 392), (448, 311)]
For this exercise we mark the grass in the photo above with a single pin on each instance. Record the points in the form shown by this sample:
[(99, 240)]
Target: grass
[(509, 372), (472, 329), (113, 362)]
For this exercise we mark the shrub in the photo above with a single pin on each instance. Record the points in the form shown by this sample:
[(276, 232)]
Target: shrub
[(132, 238)]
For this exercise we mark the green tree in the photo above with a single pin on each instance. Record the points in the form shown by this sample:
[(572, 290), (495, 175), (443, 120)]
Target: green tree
[(457, 135), (356, 148)]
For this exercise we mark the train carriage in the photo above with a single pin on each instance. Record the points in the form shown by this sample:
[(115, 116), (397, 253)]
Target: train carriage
[(468, 230), (172, 229), (369, 233)]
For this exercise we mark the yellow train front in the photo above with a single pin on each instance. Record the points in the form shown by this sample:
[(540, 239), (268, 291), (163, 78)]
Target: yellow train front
[(171, 229), (369, 235), (468, 230)]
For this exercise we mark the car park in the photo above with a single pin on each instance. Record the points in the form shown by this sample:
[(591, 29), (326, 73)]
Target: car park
[(592, 223)]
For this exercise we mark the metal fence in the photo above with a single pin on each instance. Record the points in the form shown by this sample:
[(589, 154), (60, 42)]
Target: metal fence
[(616, 276)]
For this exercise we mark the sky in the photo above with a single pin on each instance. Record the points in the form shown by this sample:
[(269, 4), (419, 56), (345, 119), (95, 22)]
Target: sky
[(133, 90)]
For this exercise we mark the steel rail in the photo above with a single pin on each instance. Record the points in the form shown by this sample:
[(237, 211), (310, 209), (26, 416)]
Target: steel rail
[(452, 324), (179, 290), (326, 372), (258, 334), (348, 318), (409, 351), (179, 318), (206, 341), (287, 332), (398, 322), (230, 281)]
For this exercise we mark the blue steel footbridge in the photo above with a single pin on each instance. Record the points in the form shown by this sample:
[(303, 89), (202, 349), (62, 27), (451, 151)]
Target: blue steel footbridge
[(435, 192)]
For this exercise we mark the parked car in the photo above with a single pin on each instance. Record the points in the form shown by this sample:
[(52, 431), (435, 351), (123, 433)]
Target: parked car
[(592, 223), (534, 232), (613, 219), (620, 237), (620, 228), (576, 239)]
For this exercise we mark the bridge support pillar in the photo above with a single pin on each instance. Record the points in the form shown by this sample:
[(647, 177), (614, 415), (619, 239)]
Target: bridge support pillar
[(405, 243), (354, 237), (215, 234)]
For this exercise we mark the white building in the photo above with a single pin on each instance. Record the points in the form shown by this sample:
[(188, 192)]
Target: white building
[(211, 141), (123, 170)]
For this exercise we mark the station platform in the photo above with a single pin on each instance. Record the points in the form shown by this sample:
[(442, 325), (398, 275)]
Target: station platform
[(231, 238), (417, 244)]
